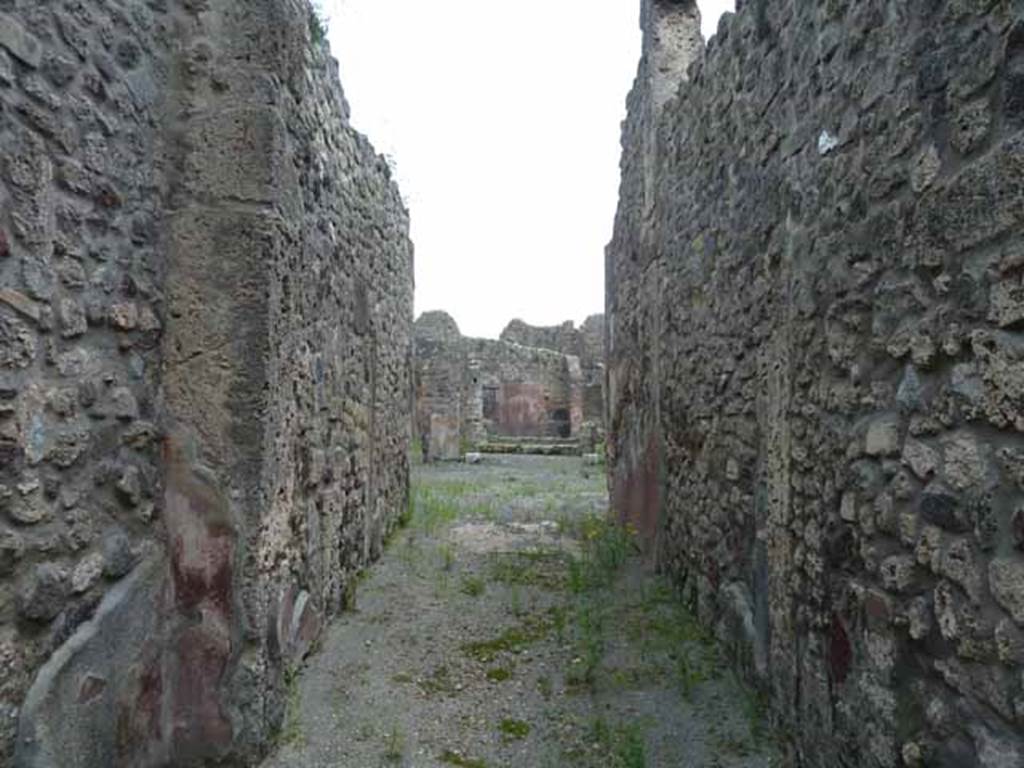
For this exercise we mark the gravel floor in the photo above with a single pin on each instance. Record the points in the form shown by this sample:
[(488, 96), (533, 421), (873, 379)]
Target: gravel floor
[(507, 625)]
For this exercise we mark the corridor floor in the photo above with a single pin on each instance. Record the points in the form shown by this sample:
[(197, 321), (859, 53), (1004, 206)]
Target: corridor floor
[(509, 625)]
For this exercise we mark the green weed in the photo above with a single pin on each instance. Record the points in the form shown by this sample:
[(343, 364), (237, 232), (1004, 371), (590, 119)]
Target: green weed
[(291, 730), (545, 687), (511, 640), (317, 23), (438, 683), (394, 745), (454, 758), (623, 744), (513, 730), (499, 674)]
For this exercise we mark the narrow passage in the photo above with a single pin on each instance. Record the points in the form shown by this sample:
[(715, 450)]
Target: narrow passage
[(508, 624)]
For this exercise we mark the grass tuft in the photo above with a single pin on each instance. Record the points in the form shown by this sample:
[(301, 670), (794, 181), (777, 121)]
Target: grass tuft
[(513, 730), (454, 758)]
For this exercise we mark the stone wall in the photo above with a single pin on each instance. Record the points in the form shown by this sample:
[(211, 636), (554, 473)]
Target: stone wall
[(441, 369), (471, 390), (813, 322), (205, 349)]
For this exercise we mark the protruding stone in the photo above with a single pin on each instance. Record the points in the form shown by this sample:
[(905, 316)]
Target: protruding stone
[(63, 401), (1017, 527), (1006, 302), (1006, 580), (12, 548), (124, 316), (965, 463), (87, 573), (129, 486), (925, 168), (17, 343), (910, 394), (965, 382), (960, 565), (912, 755), (148, 321), (68, 447), (848, 507), (922, 460), (118, 557), (72, 319), (919, 618), (21, 303), (43, 593), (6, 79), (941, 506), (945, 601), (123, 404), (19, 41), (1009, 642), (27, 505), (997, 752), (899, 573), (883, 437)]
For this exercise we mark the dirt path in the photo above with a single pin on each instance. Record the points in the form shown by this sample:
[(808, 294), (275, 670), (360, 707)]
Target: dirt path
[(509, 625)]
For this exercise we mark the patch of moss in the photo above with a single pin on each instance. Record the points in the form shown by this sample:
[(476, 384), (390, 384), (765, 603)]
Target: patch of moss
[(512, 639), (499, 674), (454, 758), (438, 682), (513, 730), (543, 569)]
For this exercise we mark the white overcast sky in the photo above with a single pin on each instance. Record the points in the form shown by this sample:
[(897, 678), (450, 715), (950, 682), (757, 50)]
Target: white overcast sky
[(503, 120)]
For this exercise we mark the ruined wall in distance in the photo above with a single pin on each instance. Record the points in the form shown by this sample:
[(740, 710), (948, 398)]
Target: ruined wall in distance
[(205, 323), (471, 390), (585, 343), (441, 368), (524, 391), (813, 322)]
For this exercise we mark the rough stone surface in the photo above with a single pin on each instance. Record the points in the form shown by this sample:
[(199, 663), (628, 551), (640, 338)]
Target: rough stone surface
[(205, 373), (815, 373)]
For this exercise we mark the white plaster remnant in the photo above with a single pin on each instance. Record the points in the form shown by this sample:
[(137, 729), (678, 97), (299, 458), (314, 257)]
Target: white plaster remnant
[(826, 143)]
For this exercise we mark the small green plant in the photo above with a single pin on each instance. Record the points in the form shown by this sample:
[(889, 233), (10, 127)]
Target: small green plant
[(499, 674), (623, 745), (545, 687), (559, 618), (690, 672), (454, 758), (531, 630), (433, 510), (516, 601), (447, 553), (317, 23), (533, 568), (394, 745), (473, 586), (591, 630), (630, 749), (513, 730), (755, 707), (291, 731), (438, 683)]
